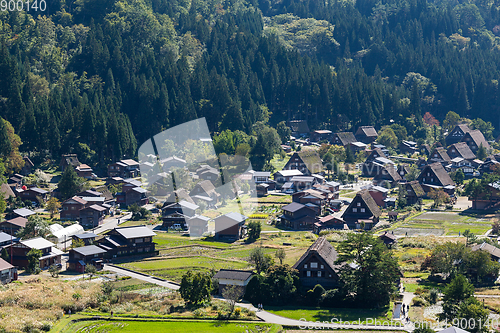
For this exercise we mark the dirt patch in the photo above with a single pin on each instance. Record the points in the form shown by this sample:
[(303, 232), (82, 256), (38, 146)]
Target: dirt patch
[(418, 232)]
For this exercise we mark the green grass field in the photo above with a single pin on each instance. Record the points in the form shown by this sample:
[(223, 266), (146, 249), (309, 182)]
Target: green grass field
[(167, 326), (165, 240), (323, 314), (278, 163), (174, 268)]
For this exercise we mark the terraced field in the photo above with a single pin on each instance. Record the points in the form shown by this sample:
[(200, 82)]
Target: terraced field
[(442, 223)]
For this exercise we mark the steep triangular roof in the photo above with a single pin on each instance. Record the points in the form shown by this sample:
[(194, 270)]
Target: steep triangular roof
[(312, 160), (463, 150), (6, 190), (323, 249), (438, 170), (364, 196), (478, 138), (346, 137), (416, 188), (369, 131), (441, 155)]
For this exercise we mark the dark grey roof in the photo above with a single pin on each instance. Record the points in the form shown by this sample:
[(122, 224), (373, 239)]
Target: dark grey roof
[(323, 249), (492, 250), (235, 216), (6, 237), (293, 207), (233, 274), (346, 137), (24, 212), (89, 250), (135, 232), (85, 235)]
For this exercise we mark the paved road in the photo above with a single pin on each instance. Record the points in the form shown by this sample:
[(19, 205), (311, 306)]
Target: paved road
[(146, 278), (263, 315), (111, 222)]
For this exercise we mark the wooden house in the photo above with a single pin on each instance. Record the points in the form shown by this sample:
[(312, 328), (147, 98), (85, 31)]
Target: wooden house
[(439, 154), (205, 188), (22, 212), (306, 161), (176, 214), (82, 256), (128, 241), (320, 135), (32, 194), (50, 254), (408, 147), (492, 250), (92, 216), (124, 168), (474, 139), (27, 167), (343, 139), (457, 134), (362, 210), (12, 226), (70, 208), (298, 216), (329, 222), (461, 149), (230, 226), (87, 238), (379, 194), (414, 193), (434, 176), (317, 265), (388, 238), (284, 176), (387, 177), (84, 171), (69, 160), (366, 134), (299, 128), (8, 272)]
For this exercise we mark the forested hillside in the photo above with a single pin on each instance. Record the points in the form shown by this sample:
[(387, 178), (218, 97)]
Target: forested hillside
[(106, 75)]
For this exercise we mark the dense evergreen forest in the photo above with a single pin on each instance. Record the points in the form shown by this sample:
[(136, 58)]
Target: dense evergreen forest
[(106, 75)]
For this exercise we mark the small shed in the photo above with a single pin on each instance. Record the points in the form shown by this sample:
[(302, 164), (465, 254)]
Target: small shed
[(233, 277)]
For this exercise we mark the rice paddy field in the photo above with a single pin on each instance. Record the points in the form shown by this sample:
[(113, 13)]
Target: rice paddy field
[(442, 224)]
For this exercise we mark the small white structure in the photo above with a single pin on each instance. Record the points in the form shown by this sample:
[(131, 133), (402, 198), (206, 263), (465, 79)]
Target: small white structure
[(63, 236)]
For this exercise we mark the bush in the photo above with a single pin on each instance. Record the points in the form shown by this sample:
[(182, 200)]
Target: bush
[(433, 296), (237, 312), (199, 313), (418, 301)]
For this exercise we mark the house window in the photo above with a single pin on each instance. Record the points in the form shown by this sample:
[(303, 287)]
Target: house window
[(359, 204), (308, 274), (362, 210), (432, 179), (314, 265), (354, 210), (322, 267), (319, 273), (305, 265)]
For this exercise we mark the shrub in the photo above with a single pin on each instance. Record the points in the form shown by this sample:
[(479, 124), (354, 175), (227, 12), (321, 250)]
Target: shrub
[(237, 312), (418, 301), (199, 313), (433, 296)]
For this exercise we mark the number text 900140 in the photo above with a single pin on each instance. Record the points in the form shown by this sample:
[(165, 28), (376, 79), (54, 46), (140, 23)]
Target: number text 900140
[(19, 5)]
